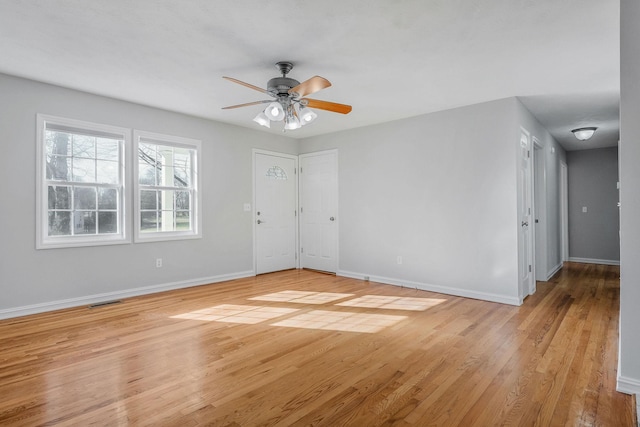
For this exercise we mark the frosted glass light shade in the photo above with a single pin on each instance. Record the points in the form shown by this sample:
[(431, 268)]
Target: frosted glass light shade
[(274, 112), (292, 123), (262, 120), (584, 133), (307, 116)]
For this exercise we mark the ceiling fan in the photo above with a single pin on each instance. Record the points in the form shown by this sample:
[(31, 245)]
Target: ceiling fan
[(289, 103)]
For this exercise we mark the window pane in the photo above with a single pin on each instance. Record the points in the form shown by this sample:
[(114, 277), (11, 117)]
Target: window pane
[(276, 172), (59, 197), (58, 168), (59, 223), (107, 222), (84, 198), (84, 222), (147, 174), (183, 221), (107, 198), (84, 146), (148, 200), (84, 170), (147, 153), (57, 143), (148, 222), (182, 200), (107, 149), (108, 172), (182, 167), (165, 199), (165, 221)]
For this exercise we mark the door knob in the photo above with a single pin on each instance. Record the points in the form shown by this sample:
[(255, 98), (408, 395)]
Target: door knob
[(525, 223), (259, 222), (332, 219)]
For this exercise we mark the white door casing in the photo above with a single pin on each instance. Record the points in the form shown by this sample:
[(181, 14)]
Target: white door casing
[(525, 255), (564, 211), (319, 211), (275, 217)]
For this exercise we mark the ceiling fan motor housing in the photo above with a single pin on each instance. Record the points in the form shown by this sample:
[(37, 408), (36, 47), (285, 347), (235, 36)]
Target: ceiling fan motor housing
[(280, 86)]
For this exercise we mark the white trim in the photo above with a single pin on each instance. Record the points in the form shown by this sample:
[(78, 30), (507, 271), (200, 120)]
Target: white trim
[(553, 271), (44, 241), (564, 211), (108, 296), (595, 261), (628, 385), (173, 141), (485, 296)]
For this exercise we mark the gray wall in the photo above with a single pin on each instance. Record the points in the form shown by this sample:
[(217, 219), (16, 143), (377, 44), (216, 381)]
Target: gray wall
[(593, 176), (30, 277), (629, 369), (440, 191)]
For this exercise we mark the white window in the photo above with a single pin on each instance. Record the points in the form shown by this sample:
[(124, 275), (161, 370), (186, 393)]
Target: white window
[(81, 176), (167, 200)]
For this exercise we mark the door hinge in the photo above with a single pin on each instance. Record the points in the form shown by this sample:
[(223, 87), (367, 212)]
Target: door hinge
[(295, 171), (529, 268), (528, 154), (300, 169), (296, 256), (295, 213), (300, 209), (301, 250)]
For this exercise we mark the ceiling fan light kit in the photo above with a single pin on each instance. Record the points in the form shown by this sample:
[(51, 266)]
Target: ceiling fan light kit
[(289, 104)]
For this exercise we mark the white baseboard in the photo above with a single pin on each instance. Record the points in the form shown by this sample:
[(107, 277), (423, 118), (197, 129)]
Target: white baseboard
[(553, 271), (485, 296), (628, 385), (595, 261), (109, 296)]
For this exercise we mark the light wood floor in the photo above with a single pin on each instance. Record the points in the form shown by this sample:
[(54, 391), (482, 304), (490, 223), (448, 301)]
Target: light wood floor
[(335, 352)]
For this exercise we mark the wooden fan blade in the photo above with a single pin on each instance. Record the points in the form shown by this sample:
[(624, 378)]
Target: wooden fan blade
[(247, 104), (310, 86), (250, 86), (329, 106)]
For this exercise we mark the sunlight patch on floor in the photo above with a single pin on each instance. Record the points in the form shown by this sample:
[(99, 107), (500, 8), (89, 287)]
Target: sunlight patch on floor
[(341, 321), (302, 297), (248, 314), (393, 303)]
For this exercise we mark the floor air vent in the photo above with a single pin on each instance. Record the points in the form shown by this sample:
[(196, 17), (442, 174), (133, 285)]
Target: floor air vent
[(102, 304)]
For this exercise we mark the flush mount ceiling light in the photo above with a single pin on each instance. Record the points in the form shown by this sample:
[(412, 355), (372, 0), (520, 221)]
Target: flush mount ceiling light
[(584, 133), (289, 104)]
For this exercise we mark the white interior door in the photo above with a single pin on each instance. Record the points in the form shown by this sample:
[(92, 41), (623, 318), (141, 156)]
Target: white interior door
[(275, 212), (527, 281), (319, 211)]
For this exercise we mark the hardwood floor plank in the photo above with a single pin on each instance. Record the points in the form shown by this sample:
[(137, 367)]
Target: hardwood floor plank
[(345, 352)]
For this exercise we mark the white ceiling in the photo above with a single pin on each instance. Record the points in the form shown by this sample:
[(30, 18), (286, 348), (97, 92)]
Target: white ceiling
[(389, 59)]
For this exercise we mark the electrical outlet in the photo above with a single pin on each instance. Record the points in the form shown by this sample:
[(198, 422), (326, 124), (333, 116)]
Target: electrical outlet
[(158, 262), (399, 259)]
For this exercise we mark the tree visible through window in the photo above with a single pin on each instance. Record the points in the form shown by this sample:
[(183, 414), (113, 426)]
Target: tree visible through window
[(167, 190), (82, 191)]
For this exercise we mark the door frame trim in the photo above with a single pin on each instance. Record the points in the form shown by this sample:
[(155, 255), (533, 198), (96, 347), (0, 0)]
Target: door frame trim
[(293, 157), (337, 245), (524, 289)]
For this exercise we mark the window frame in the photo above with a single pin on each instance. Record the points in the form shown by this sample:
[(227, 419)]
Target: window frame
[(145, 137), (43, 239)]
